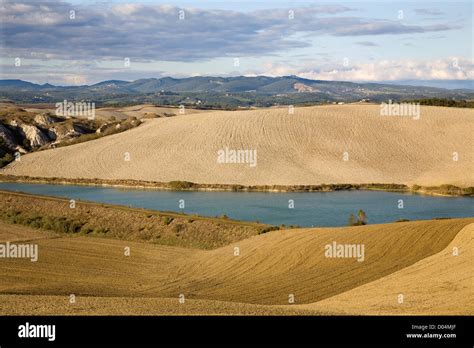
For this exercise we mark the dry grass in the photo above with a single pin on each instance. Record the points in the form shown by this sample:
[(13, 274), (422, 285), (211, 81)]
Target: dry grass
[(305, 148), (126, 223)]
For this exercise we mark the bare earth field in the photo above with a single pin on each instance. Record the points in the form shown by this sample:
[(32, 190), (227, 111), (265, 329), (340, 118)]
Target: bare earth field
[(448, 278), (276, 264), (410, 258), (138, 111), (304, 148)]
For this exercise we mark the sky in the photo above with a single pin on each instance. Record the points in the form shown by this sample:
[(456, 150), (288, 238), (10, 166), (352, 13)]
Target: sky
[(84, 42)]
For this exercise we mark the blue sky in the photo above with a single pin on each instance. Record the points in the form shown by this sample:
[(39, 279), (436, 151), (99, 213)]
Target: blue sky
[(346, 40)]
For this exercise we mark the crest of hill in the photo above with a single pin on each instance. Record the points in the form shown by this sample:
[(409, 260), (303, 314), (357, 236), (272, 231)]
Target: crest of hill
[(304, 148)]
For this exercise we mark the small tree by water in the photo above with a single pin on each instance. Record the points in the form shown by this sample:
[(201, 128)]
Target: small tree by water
[(360, 220), (352, 220)]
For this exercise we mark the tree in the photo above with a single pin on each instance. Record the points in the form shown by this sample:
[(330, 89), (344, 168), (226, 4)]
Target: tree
[(6, 159), (352, 220), (361, 220), (362, 217)]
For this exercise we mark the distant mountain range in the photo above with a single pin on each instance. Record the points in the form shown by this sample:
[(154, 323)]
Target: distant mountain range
[(229, 91)]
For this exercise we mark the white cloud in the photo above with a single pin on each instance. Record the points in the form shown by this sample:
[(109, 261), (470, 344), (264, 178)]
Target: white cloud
[(451, 68), (146, 31), (151, 34), (75, 79), (126, 9)]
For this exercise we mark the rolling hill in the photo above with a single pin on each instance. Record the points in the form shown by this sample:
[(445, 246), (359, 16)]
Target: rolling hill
[(412, 257), (446, 273), (272, 266), (341, 144)]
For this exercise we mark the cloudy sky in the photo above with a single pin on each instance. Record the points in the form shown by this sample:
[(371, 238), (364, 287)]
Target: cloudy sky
[(83, 42)]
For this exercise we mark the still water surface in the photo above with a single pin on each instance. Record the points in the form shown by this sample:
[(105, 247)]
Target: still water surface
[(310, 208)]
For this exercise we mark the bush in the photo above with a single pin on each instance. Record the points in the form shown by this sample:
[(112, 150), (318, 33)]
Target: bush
[(167, 220), (180, 185), (268, 229), (360, 220), (101, 230), (57, 224), (468, 191), (294, 226), (446, 102), (360, 223), (87, 230), (7, 158), (178, 228), (352, 220)]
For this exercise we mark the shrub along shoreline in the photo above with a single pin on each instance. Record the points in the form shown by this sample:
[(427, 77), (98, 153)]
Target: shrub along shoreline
[(442, 190)]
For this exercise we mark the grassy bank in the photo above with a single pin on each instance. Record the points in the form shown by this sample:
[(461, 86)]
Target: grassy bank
[(119, 222), (444, 190)]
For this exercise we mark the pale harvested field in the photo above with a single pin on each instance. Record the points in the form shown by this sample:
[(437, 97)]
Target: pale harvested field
[(303, 148), (138, 111), (145, 110), (432, 286), (257, 282)]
